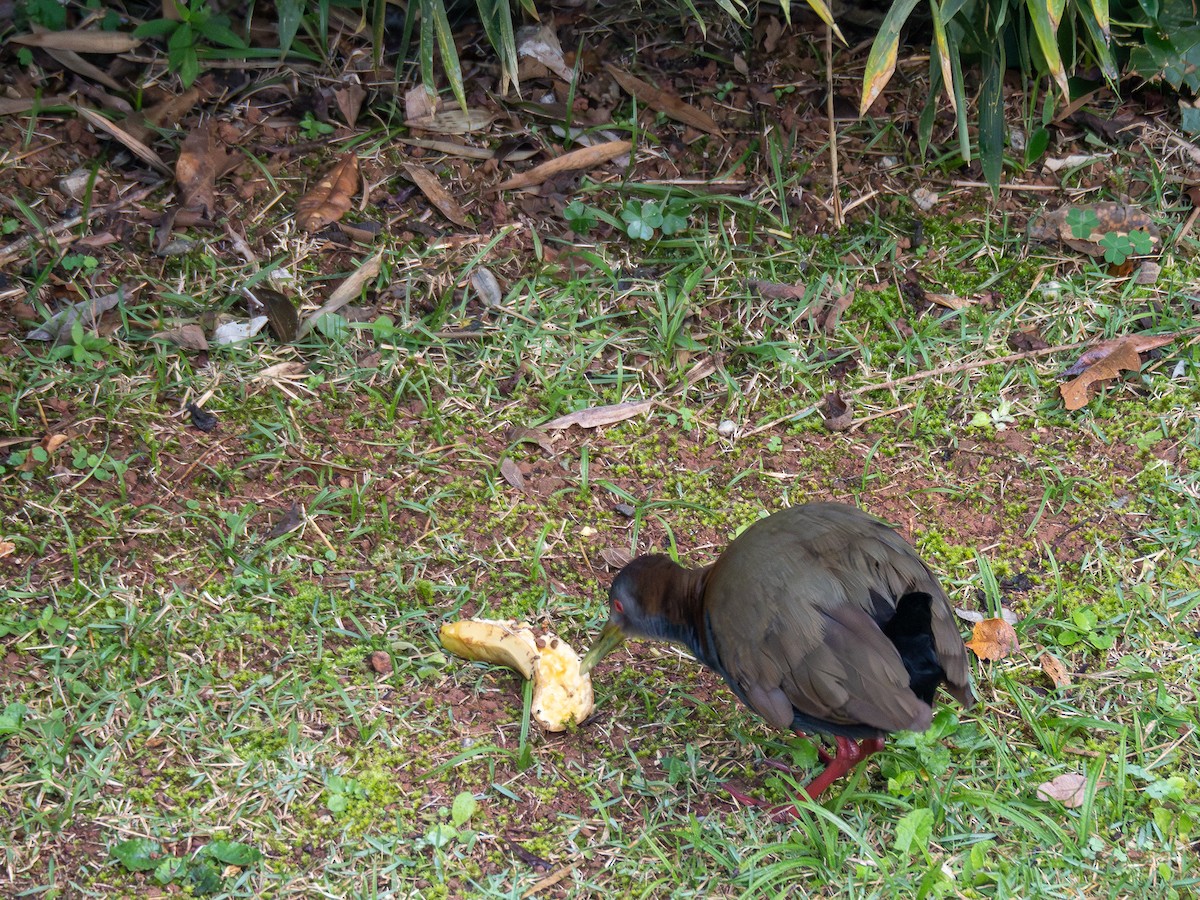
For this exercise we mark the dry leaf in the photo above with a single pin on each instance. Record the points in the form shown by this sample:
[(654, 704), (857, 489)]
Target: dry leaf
[(419, 103), (583, 158), (541, 43), (345, 292), (949, 301), (196, 170), (53, 441), (970, 615), (838, 414), (7, 548), (1068, 789), (127, 140), (329, 199), (616, 557), (597, 416), (1052, 226), (281, 371), (281, 314), (187, 337), (1119, 359), (1055, 670), (349, 99), (435, 193), (454, 121), (774, 290), (663, 101), (520, 434), (80, 41), (1142, 343), (511, 473), (993, 639), (380, 663), (1027, 340)]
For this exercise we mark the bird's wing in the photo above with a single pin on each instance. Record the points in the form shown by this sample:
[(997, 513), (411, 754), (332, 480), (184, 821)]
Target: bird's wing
[(791, 640)]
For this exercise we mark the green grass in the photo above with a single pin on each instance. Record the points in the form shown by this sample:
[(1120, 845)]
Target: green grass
[(173, 669)]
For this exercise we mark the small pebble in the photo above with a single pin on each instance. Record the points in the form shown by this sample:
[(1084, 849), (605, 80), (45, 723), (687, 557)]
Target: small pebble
[(727, 428)]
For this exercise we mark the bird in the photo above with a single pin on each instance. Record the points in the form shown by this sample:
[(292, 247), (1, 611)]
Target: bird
[(821, 619)]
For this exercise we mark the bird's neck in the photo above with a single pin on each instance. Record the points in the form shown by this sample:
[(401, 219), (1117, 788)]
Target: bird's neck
[(684, 621)]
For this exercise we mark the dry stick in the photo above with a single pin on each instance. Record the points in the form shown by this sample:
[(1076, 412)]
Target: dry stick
[(933, 373), (838, 219)]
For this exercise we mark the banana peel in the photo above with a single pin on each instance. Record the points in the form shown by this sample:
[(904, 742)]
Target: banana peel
[(562, 695)]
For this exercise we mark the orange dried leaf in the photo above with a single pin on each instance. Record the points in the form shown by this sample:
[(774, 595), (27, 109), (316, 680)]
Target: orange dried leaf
[(583, 158), (1055, 670), (1123, 357), (196, 170), (663, 101), (435, 193), (993, 639), (330, 198)]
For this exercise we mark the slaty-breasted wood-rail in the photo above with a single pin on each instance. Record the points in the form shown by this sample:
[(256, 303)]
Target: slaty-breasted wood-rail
[(821, 618)]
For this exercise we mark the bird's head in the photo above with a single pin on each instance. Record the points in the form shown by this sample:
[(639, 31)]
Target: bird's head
[(639, 605)]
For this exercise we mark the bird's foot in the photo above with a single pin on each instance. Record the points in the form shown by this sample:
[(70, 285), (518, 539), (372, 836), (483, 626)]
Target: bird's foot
[(847, 755)]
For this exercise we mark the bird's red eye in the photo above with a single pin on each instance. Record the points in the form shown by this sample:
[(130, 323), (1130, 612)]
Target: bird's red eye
[(618, 606)]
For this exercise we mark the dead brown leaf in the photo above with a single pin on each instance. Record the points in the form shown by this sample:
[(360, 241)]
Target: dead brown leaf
[(454, 121), (993, 639), (196, 170), (774, 290), (948, 301), (616, 557), (7, 548), (663, 101), (1055, 670), (435, 193), (127, 140), (1052, 226), (520, 434), (598, 416), (186, 337), (511, 473), (380, 662), (344, 292), (330, 198), (349, 99), (839, 416), (80, 41), (1121, 358), (1027, 340), (1068, 789), (583, 158), (53, 441)]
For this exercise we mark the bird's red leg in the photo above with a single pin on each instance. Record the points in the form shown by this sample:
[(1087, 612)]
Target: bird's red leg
[(848, 755)]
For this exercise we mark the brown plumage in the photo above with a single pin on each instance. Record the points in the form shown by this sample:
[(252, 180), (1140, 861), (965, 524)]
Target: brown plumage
[(820, 618)]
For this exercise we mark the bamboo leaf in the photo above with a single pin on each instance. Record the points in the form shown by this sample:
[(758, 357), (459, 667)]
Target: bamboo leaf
[(821, 8), (1047, 35), (943, 53), (991, 117), (881, 62)]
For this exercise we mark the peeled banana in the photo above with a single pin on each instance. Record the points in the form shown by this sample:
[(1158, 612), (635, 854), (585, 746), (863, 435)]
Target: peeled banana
[(562, 695)]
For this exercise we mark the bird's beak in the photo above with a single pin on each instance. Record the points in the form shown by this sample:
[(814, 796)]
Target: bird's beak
[(609, 640)]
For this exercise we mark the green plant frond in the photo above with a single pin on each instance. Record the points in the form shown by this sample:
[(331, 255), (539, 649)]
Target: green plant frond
[(991, 116), (1101, 42), (445, 40), (881, 62), (497, 19)]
